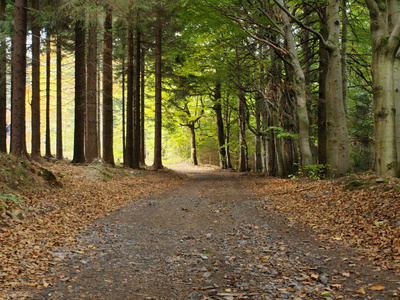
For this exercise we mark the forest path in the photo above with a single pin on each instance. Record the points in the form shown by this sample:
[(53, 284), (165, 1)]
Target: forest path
[(205, 239)]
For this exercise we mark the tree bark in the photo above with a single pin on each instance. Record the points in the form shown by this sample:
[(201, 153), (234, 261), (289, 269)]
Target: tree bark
[(80, 94), (108, 148), (217, 107), (243, 167), (129, 104), (385, 32), (258, 138), (123, 83), (322, 72), (3, 83), (59, 146), (48, 81), (35, 105), (337, 134), (142, 108), (136, 105), (91, 144), (193, 147), (158, 95), (300, 90), (18, 134)]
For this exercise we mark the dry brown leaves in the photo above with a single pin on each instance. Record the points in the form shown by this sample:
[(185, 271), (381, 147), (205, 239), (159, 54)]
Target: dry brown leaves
[(362, 211), (52, 216)]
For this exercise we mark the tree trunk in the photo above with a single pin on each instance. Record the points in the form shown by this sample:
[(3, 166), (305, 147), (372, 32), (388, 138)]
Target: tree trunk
[(91, 144), (59, 146), (217, 107), (18, 134), (227, 134), (385, 32), (129, 104), (142, 107), (242, 133), (3, 83), (35, 105), (158, 96), (193, 152), (80, 94), (322, 72), (337, 135), (108, 147), (136, 105), (300, 90), (343, 52), (258, 138), (48, 81), (123, 111)]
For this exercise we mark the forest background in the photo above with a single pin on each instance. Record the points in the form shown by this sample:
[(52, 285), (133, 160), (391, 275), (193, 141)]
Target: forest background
[(268, 86)]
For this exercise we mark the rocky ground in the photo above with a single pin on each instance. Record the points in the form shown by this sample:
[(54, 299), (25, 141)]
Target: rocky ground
[(213, 236)]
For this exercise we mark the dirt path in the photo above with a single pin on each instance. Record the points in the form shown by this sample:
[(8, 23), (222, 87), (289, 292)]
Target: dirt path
[(207, 239)]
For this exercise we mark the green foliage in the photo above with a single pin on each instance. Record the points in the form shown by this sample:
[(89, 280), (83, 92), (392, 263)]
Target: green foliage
[(282, 133), (7, 199), (317, 171)]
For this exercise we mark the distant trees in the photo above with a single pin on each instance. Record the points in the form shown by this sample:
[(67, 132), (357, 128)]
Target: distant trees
[(275, 82)]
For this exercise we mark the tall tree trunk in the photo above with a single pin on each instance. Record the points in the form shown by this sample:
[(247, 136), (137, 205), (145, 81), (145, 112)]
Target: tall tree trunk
[(344, 52), (18, 134), (142, 108), (337, 134), (217, 107), (59, 146), (129, 104), (48, 81), (108, 148), (385, 32), (80, 94), (35, 105), (91, 144), (123, 111), (136, 105), (3, 83), (242, 132), (322, 72), (300, 90), (158, 96)]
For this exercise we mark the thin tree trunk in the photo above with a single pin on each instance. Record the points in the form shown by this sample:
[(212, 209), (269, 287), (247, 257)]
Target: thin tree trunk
[(158, 96), (217, 107), (35, 105), (59, 147), (142, 108), (193, 147), (258, 138), (227, 134), (129, 104), (80, 94), (322, 71), (18, 134), (123, 111), (48, 80), (108, 149), (242, 132), (91, 144), (136, 105)]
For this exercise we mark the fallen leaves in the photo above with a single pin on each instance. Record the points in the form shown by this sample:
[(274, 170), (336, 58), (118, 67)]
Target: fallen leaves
[(366, 217), (52, 217)]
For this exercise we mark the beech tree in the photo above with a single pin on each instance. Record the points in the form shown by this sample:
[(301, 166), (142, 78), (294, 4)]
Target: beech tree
[(3, 80), (385, 32)]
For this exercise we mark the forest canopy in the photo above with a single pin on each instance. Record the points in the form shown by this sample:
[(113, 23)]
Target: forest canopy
[(281, 87)]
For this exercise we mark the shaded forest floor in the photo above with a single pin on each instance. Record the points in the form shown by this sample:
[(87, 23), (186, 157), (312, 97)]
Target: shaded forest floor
[(112, 233)]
